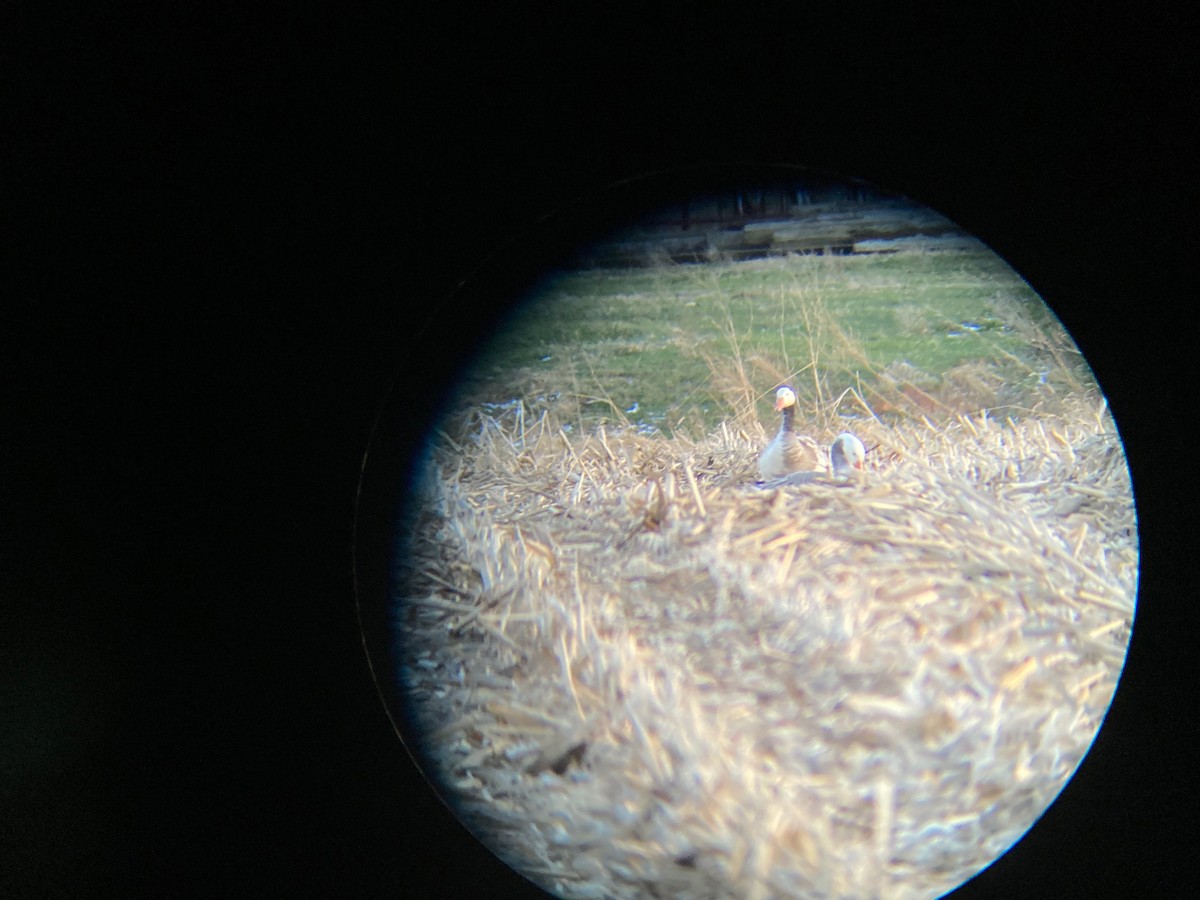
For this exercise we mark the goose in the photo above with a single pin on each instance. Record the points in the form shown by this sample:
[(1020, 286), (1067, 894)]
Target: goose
[(846, 457), (788, 452)]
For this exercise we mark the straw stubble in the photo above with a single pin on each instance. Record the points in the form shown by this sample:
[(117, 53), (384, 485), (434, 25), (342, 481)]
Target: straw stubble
[(639, 674)]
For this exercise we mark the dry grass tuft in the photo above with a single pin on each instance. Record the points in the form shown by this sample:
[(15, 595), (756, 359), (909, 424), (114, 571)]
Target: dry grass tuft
[(639, 675)]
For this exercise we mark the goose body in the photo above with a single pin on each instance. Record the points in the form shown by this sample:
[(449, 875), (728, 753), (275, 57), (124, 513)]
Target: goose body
[(788, 452), (846, 457)]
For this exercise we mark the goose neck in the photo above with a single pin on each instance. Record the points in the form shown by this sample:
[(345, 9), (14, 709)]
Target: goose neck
[(789, 419)]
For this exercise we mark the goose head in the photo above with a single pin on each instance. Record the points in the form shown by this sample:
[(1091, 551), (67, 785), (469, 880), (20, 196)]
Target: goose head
[(784, 397), (846, 456)]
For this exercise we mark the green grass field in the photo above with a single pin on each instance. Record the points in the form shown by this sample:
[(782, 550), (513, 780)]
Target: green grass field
[(908, 333)]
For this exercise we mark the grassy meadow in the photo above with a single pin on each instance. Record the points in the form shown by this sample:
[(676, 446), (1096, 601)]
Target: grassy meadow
[(910, 333)]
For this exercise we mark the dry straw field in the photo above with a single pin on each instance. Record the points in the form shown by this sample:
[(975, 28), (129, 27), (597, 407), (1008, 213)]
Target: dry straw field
[(638, 674)]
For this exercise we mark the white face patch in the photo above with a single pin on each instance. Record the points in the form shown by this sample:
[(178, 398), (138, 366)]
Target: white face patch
[(784, 397), (855, 451)]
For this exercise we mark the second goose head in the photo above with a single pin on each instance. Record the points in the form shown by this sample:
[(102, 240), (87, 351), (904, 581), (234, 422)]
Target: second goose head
[(846, 456)]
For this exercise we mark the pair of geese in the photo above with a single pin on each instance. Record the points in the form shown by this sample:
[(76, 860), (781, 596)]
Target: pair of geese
[(794, 459)]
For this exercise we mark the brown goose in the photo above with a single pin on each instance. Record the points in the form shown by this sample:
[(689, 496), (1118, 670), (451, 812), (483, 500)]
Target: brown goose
[(846, 457), (788, 452)]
